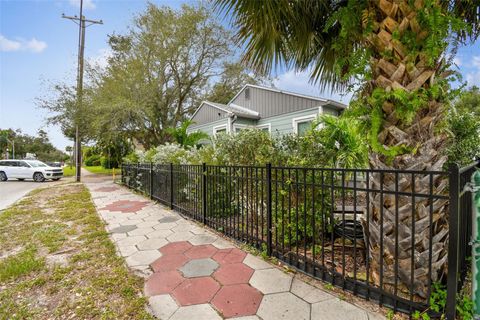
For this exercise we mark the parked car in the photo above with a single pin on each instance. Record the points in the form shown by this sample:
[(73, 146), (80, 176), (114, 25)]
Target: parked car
[(28, 169)]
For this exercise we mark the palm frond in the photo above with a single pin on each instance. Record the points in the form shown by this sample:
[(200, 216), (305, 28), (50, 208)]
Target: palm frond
[(288, 32)]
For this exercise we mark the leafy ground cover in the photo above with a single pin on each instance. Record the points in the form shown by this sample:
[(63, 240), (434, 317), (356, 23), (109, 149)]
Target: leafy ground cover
[(56, 261)]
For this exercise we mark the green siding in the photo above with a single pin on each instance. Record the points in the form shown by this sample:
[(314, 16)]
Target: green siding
[(282, 124), (208, 127)]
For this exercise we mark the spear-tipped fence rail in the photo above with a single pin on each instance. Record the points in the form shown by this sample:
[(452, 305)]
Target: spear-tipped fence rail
[(350, 227)]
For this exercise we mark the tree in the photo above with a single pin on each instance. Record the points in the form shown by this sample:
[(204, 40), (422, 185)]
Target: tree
[(39, 145), (464, 125), (469, 101), (159, 71), (62, 106), (396, 52), (233, 78)]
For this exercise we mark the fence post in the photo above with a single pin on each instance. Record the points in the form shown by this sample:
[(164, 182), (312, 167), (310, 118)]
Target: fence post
[(269, 208), (151, 180), (204, 192), (171, 185), (453, 240)]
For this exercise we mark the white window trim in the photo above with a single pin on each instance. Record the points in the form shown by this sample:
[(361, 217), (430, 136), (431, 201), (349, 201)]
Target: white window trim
[(266, 125), (239, 126), (220, 127), (296, 121)]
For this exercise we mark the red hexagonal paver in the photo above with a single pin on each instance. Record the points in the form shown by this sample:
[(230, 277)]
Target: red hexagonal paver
[(226, 256), (234, 273), (201, 251), (125, 206), (162, 282), (169, 262), (196, 291), (175, 247), (237, 300)]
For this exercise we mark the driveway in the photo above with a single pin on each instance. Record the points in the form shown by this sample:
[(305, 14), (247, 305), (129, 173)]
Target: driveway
[(13, 190)]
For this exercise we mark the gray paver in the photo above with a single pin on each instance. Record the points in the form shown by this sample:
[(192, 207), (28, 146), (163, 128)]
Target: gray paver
[(222, 244), (131, 241), (143, 257), (159, 234), (168, 219), (140, 231), (196, 312), (202, 239), (163, 306), (123, 229), (284, 306), (152, 244), (256, 263), (271, 281), (118, 236), (180, 236), (165, 226), (199, 268), (126, 251), (309, 293), (147, 224), (335, 309)]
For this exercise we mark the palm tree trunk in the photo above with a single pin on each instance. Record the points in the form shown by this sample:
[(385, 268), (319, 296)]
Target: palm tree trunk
[(394, 218)]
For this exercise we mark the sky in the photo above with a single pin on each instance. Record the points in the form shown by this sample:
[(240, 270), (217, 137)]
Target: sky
[(37, 46)]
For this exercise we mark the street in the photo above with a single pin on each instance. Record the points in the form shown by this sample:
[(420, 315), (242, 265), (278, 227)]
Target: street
[(13, 190)]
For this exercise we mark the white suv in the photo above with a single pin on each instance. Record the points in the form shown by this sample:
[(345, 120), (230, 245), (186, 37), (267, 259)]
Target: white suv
[(28, 169)]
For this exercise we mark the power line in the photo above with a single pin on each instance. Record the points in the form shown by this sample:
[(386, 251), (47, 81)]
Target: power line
[(81, 48)]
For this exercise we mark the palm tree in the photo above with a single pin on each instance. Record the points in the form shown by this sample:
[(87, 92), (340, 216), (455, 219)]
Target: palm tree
[(397, 52), (181, 136)]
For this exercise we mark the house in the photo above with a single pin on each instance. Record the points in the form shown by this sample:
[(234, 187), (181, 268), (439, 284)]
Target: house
[(269, 109)]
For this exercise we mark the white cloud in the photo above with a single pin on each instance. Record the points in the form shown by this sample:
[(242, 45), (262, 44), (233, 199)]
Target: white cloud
[(32, 45), (473, 73), (8, 45), (35, 45), (476, 61), (87, 4), (299, 82), (101, 59)]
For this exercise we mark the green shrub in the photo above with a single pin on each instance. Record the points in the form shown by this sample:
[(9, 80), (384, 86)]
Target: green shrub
[(93, 160), (108, 163), (464, 144)]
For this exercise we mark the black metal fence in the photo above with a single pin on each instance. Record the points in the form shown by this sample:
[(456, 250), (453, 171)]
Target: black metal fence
[(380, 234)]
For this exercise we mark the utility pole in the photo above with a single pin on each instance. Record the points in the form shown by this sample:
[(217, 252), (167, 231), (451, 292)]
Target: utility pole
[(81, 48)]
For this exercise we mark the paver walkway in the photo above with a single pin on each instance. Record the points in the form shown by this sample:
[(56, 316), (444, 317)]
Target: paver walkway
[(193, 274)]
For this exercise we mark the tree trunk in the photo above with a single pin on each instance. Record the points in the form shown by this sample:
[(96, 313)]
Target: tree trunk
[(404, 70)]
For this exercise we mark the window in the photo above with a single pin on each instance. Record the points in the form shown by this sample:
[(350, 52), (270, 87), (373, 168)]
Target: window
[(302, 127), (265, 127), (302, 124), (222, 129), (23, 164)]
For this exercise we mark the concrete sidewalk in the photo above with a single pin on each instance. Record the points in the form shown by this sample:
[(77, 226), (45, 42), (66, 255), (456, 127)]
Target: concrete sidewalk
[(193, 274)]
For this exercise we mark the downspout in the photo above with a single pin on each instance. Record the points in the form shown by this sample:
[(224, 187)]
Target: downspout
[(231, 120)]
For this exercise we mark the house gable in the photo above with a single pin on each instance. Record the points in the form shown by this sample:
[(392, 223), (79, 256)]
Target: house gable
[(270, 102), (208, 112)]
